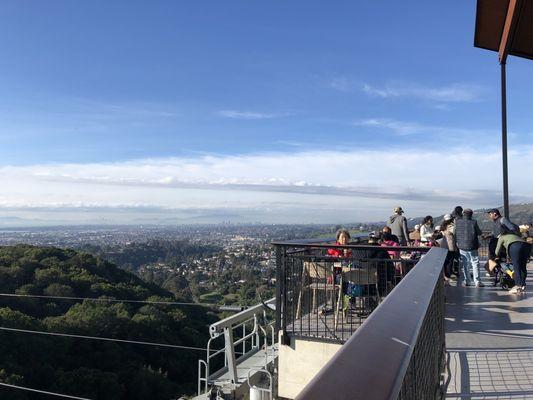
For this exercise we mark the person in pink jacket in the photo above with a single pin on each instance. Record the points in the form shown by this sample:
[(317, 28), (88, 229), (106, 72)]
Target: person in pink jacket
[(387, 241)]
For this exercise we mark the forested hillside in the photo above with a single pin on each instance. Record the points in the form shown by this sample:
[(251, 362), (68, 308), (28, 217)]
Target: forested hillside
[(88, 368)]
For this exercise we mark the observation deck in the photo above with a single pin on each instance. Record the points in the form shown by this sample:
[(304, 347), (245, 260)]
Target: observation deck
[(401, 333), (380, 323)]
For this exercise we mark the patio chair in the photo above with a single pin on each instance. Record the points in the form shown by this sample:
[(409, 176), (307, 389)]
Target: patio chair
[(315, 276), (365, 276)]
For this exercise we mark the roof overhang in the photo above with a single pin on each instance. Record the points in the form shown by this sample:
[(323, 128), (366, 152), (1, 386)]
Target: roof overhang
[(505, 26)]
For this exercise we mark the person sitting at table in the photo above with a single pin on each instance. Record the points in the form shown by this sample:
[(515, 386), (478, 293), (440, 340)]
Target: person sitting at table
[(386, 269), (342, 238), (388, 241), (387, 230)]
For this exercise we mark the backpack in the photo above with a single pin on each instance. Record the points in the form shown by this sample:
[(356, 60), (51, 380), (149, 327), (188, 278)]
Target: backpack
[(510, 227)]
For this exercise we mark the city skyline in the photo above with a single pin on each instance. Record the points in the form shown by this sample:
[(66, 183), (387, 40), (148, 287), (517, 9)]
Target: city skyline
[(251, 112)]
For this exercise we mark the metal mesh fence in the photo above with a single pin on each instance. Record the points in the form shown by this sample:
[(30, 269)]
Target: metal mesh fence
[(330, 297), (423, 376)]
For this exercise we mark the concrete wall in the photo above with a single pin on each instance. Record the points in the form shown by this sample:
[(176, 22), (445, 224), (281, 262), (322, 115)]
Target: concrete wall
[(299, 362)]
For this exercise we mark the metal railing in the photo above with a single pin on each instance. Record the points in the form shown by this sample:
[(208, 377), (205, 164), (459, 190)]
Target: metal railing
[(329, 297), (399, 351), (483, 250), (241, 338)]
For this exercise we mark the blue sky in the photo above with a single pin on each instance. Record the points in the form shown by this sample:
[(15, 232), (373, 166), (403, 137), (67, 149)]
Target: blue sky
[(193, 105)]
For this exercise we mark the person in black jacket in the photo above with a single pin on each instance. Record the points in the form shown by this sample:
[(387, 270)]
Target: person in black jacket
[(457, 213), (466, 238), (499, 226)]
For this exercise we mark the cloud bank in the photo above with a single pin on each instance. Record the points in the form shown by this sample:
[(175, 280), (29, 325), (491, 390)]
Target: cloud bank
[(311, 186)]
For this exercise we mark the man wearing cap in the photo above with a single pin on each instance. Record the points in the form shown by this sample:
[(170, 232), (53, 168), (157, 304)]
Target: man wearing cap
[(398, 225), (466, 238), (497, 230)]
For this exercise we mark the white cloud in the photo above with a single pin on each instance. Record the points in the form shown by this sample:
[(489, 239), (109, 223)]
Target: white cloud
[(414, 128), (456, 92), (317, 186), (248, 115)]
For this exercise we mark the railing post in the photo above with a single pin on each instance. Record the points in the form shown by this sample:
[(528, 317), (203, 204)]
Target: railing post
[(279, 289), (244, 341), (200, 379), (256, 336), (230, 353)]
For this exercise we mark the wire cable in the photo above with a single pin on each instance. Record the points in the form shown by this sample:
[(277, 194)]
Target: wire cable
[(172, 303), (174, 346), (65, 396)]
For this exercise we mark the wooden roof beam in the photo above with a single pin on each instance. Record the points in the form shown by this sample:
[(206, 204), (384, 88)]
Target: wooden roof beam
[(509, 29)]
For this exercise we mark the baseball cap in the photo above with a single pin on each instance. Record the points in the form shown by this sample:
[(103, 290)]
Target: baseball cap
[(494, 211)]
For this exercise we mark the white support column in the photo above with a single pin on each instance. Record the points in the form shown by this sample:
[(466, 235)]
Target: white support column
[(230, 353)]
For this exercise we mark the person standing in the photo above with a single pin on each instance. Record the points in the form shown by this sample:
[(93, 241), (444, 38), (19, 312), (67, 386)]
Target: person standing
[(499, 226), (496, 231), (457, 212), (447, 242), (414, 236), (427, 230), (467, 241), (518, 251), (398, 225)]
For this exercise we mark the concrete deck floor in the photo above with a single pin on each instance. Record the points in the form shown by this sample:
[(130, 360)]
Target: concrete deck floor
[(489, 342)]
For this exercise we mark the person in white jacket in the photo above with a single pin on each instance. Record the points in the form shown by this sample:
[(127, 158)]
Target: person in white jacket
[(427, 229)]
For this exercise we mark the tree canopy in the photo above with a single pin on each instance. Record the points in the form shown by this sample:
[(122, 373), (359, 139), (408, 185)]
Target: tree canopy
[(86, 368)]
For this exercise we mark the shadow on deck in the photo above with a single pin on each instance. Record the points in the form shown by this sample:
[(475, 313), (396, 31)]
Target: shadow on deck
[(489, 342)]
